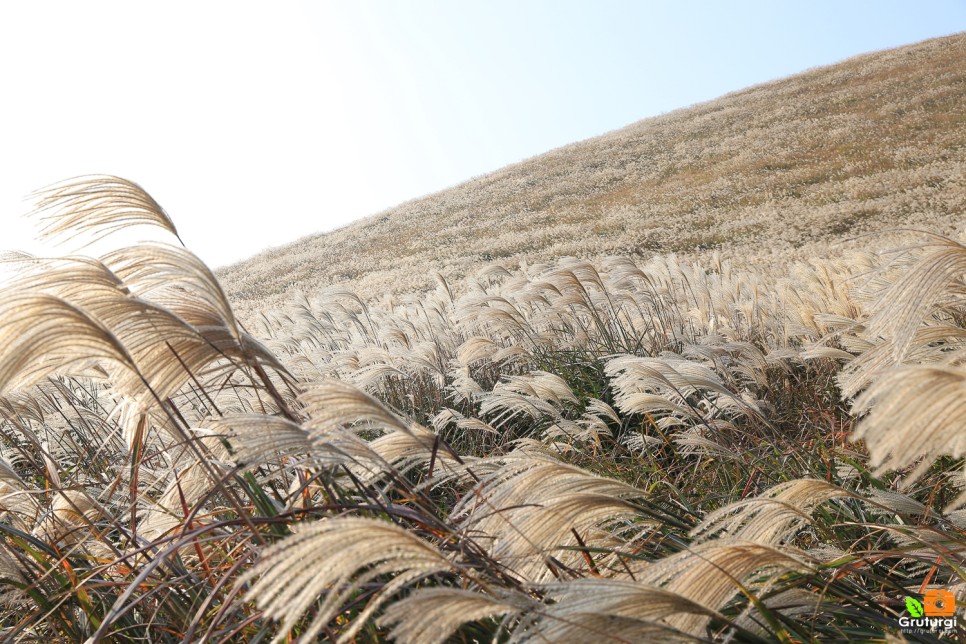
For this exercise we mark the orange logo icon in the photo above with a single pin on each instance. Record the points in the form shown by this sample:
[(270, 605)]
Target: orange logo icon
[(939, 603)]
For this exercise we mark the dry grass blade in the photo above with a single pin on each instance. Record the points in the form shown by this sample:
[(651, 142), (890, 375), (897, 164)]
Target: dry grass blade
[(333, 404), (260, 438), (432, 615), (447, 416), (99, 205), (710, 573), (789, 604), (772, 517), (613, 610), (540, 384), (416, 446), (176, 279), (168, 512), (914, 413), (900, 503), (334, 558), (531, 506), (42, 334), (641, 383), (931, 343), (71, 513), (17, 503), (902, 307)]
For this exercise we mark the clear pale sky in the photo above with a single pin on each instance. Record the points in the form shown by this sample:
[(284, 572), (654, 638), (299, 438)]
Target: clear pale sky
[(255, 124)]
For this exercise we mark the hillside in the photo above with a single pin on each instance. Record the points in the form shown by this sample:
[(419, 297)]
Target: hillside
[(773, 173), (624, 449)]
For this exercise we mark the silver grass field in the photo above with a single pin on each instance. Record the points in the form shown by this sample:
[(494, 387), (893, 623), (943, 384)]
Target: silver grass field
[(744, 424), (569, 452)]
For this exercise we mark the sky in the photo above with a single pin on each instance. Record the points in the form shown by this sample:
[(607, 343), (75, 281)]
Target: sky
[(257, 123)]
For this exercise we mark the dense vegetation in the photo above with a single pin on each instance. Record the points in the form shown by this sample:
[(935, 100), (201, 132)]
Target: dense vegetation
[(570, 452), (660, 436), (799, 168)]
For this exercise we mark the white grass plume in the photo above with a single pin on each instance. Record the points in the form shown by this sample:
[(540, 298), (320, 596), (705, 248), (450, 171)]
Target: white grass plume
[(709, 574), (614, 610), (432, 615), (260, 438), (771, 518), (530, 507), (330, 560), (332, 404), (98, 204), (914, 413)]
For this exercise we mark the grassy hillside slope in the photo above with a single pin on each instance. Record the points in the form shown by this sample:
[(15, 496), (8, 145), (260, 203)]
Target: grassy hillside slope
[(618, 449), (770, 174)]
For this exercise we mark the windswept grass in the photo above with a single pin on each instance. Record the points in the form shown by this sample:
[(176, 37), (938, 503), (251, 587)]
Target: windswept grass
[(569, 452), (842, 158)]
